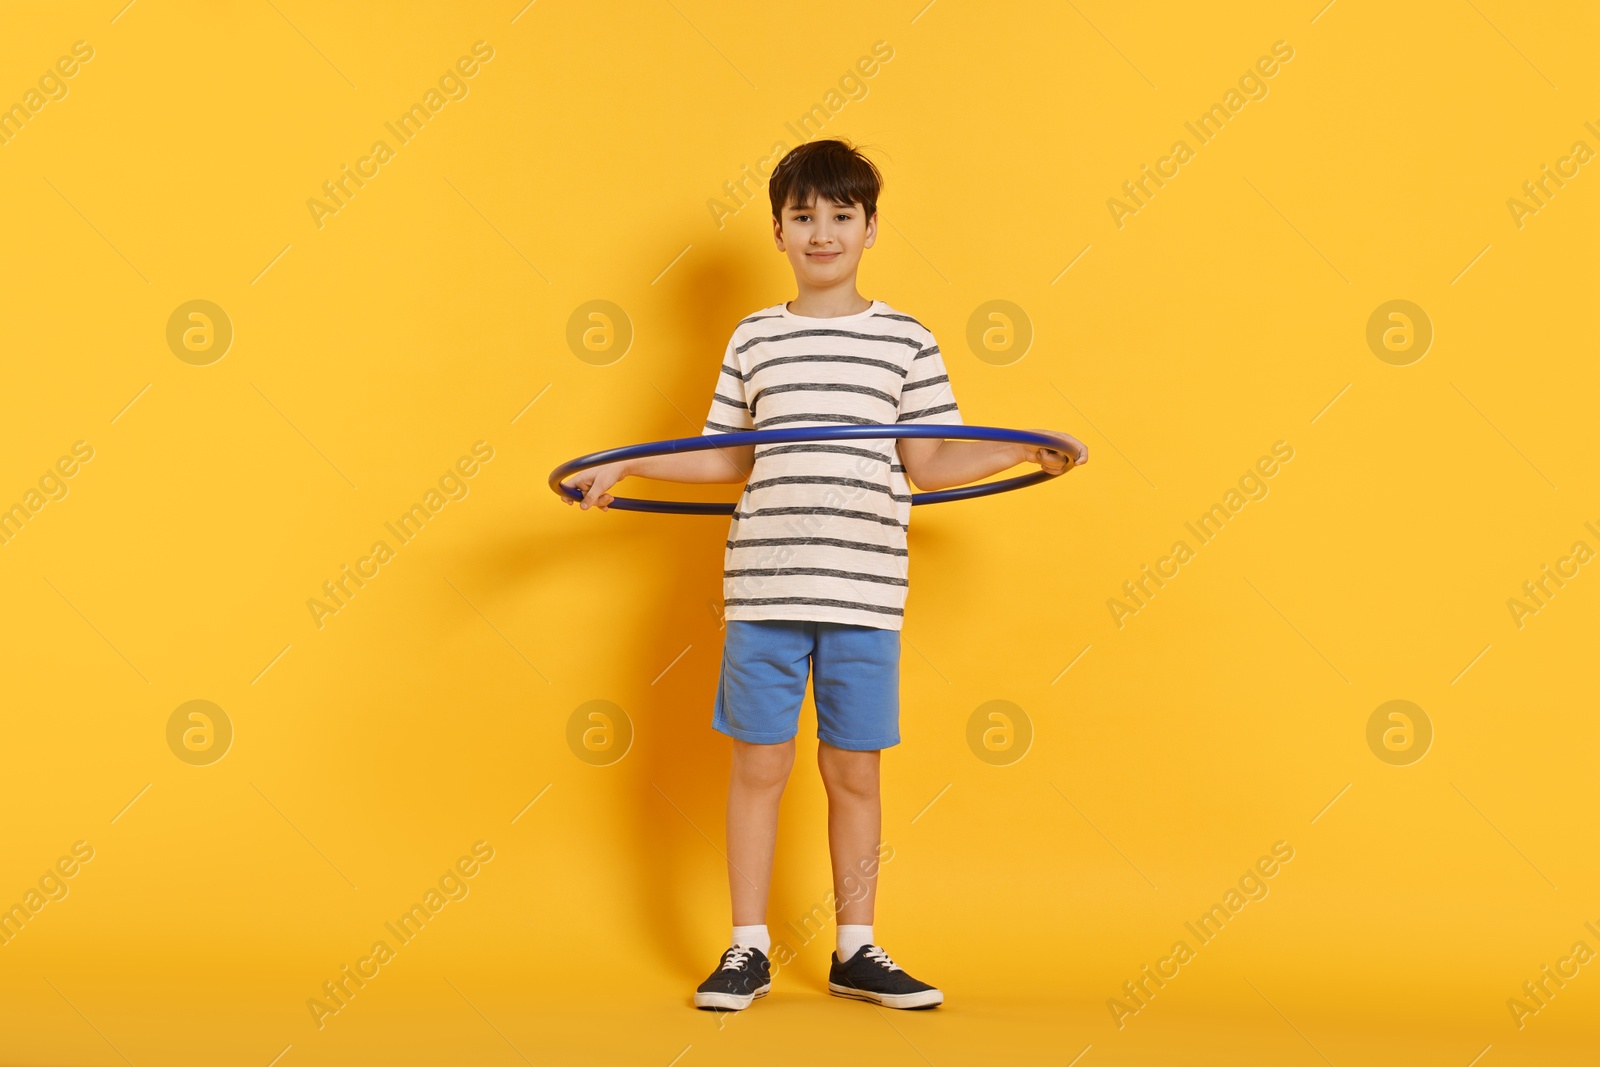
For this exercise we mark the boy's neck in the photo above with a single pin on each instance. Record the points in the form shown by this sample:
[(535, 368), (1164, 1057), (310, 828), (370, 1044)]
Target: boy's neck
[(830, 303)]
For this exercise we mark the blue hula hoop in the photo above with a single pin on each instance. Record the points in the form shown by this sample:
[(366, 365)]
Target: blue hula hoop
[(805, 433)]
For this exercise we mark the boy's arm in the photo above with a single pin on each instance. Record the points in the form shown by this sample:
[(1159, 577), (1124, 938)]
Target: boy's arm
[(729, 464), (729, 413), (933, 463), (938, 463)]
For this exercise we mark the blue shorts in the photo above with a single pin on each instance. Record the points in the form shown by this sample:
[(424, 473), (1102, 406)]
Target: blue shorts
[(855, 680)]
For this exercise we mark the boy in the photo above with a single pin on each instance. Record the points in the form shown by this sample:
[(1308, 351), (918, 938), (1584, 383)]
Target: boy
[(815, 569)]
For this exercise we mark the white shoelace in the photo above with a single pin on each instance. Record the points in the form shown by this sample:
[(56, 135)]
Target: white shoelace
[(737, 956), (880, 957)]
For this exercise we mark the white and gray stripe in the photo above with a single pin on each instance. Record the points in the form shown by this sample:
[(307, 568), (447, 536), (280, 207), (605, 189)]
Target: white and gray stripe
[(820, 529)]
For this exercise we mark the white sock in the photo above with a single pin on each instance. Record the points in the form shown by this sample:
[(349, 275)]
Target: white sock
[(753, 937), (851, 938)]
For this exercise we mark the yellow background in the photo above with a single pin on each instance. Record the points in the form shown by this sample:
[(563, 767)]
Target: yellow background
[(426, 715)]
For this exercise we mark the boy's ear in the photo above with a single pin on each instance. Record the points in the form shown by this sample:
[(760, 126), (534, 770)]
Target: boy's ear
[(777, 233), (872, 231)]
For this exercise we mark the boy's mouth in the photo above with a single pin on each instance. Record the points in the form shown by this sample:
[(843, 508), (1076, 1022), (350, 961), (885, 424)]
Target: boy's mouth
[(826, 257)]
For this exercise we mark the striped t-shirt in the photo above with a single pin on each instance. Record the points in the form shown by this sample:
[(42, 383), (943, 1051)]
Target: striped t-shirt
[(819, 532)]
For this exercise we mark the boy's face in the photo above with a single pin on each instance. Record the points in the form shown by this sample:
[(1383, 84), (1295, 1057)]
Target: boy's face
[(824, 240)]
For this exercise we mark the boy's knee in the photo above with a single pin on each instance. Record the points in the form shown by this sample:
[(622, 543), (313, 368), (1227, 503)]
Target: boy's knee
[(763, 766), (849, 772)]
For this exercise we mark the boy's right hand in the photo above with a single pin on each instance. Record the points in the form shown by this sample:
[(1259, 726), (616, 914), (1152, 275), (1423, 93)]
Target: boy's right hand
[(594, 483)]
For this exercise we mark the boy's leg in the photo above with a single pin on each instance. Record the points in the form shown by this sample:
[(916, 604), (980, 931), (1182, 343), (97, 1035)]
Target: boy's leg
[(856, 677), (855, 824), (762, 684), (861, 970), (755, 785), (759, 692)]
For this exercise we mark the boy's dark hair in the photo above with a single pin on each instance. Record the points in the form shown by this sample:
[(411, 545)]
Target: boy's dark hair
[(834, 169)]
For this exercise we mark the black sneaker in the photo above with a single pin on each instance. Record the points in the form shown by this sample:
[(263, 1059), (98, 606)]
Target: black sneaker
[(743, 975), (871, 975)]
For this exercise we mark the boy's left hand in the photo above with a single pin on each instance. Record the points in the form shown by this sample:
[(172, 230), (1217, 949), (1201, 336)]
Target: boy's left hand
[(1073, 453)]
